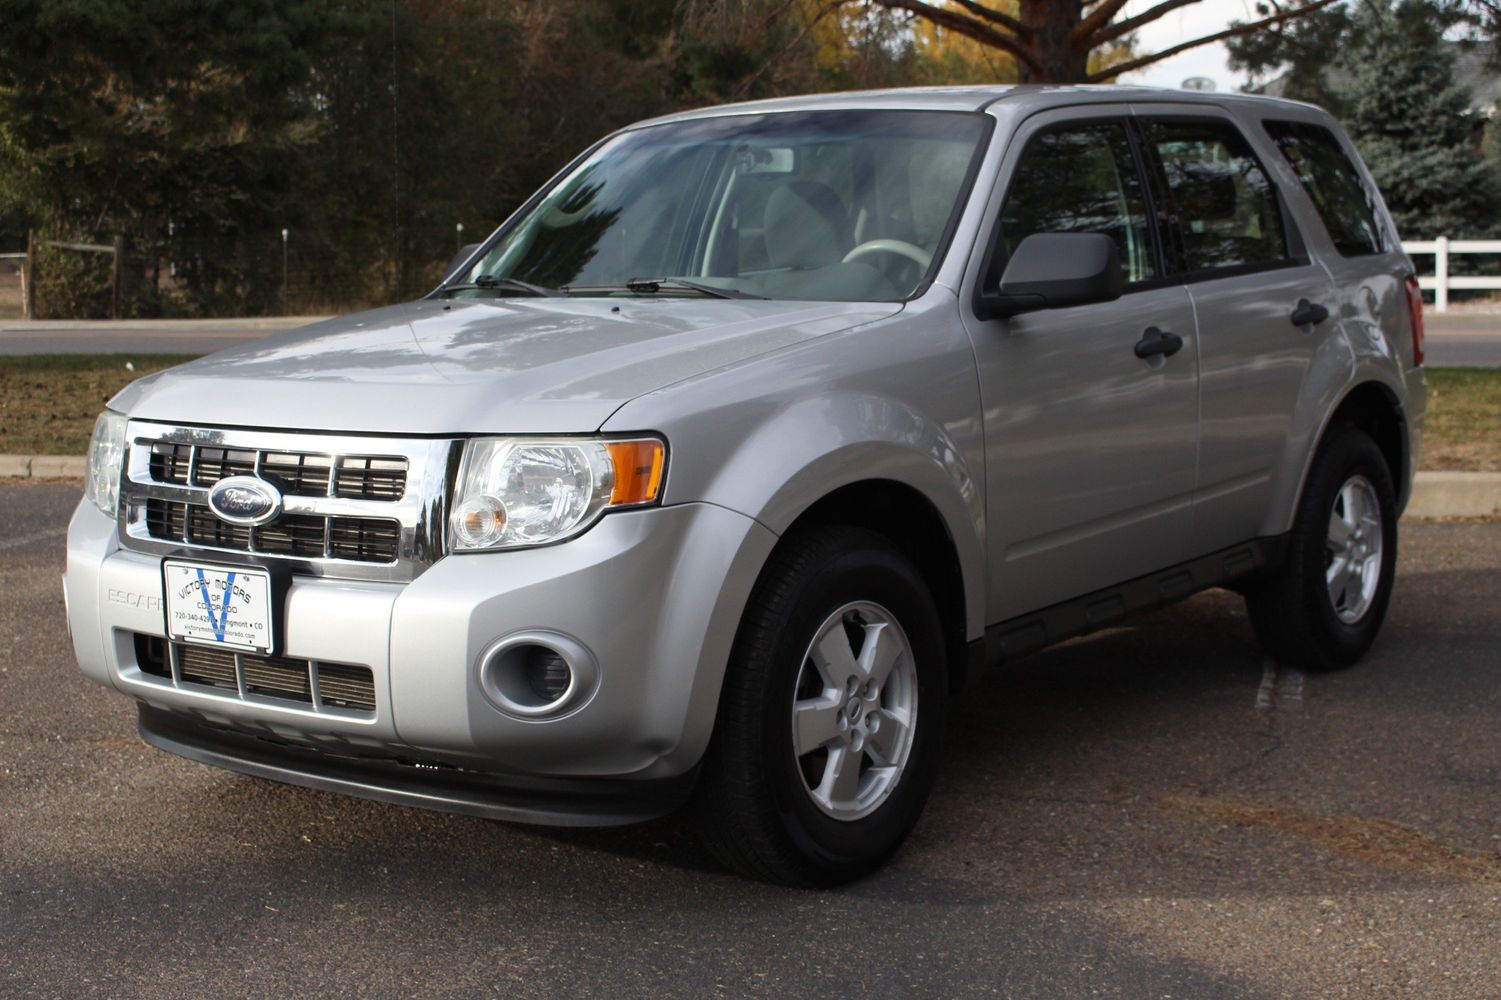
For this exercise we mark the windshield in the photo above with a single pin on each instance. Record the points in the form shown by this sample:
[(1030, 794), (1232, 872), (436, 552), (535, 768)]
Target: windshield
[(841, 205)]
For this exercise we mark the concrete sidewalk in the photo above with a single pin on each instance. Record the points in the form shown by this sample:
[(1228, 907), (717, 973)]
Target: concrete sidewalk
[(230, 324), (139, 336)]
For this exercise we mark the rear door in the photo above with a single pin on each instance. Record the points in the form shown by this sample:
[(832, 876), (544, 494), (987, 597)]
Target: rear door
[(1089, 449), (1257, 296)]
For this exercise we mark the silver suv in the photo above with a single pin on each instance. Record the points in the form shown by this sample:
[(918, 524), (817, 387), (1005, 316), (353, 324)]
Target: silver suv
[(712, 473)]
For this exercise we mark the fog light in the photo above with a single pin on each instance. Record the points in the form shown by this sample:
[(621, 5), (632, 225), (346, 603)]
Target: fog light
[(547, 673), (537, 674)]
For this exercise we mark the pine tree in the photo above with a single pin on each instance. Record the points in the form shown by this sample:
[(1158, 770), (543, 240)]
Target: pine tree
[(1413, 123)]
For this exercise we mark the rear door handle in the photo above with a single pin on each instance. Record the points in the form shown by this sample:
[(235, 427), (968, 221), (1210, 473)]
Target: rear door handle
[(1309, 313), (1154, 341)]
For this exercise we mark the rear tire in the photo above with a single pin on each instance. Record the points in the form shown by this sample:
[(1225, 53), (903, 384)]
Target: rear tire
[(1322, 609), (830, 721)]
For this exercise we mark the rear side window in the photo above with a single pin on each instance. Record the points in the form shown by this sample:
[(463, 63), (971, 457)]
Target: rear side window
[(1333, 183), (1080, 179), (1224, 204)]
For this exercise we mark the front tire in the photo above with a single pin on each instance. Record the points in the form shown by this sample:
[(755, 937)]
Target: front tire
[(831, 716), (1323, 608)]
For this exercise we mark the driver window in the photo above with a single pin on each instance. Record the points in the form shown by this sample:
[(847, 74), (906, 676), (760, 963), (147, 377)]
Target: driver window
[(1080, 179)]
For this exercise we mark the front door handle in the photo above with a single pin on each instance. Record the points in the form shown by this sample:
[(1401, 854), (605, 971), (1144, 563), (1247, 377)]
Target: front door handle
[(1154, 341), (1309, 313)]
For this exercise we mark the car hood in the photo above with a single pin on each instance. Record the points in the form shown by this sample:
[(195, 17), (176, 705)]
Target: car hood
[(505, 366)]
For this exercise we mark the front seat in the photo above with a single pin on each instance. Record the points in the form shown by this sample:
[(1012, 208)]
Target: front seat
[(806, 226)]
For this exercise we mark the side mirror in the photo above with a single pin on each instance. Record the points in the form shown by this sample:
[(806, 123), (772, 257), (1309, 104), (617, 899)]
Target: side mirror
[(1052, 270), (464, 254)]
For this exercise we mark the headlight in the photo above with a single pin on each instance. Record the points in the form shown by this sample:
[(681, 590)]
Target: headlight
[(514, 492), (106, 456)]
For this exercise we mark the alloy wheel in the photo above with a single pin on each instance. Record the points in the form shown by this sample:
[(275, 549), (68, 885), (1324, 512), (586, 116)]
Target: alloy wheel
[(1353, 554), (854, 710)]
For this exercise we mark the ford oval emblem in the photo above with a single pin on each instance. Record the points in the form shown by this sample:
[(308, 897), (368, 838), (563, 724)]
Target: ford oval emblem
[(244, 500)]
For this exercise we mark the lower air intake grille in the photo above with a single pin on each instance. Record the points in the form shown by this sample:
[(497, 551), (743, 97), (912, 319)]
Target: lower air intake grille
[(211, 667), (339, 687), (346, 687)]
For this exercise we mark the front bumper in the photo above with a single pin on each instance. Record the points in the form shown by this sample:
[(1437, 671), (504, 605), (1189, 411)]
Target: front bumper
[(468, 791), (655, 595)]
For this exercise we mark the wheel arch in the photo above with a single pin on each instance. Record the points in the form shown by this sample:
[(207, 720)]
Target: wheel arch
[(910, 521), (1374, 408), (826, 453), (1368, 401)]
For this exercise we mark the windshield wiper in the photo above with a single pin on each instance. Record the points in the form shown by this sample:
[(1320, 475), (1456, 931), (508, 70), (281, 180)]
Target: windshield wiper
[(650, 286), (509, 284)]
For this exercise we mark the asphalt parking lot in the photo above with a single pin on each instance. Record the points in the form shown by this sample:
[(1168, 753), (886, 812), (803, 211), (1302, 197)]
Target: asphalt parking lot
[(1152, 811)]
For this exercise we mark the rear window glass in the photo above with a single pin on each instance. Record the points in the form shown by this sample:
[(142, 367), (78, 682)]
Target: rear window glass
[(1224, 203), (1333, 183)]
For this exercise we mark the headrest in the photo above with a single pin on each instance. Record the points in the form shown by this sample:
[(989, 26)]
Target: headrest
[(806, 225), (1206, 192), (934, 178)]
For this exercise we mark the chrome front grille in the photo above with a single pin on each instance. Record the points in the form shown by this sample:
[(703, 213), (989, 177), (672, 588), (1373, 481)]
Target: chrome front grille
[(352, 507), (357, 477), (302, 536), (325, 687)]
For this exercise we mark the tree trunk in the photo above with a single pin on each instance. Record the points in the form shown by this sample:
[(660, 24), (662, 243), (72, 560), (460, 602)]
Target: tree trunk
[(1058, 61)]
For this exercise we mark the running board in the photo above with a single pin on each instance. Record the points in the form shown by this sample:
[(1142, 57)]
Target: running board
[(1037, 629)]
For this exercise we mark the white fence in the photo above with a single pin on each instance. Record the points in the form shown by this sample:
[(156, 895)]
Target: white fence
[(1441, 281)]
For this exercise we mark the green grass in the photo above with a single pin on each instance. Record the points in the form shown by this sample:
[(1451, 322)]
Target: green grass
[(1464, 420), (48, 402)]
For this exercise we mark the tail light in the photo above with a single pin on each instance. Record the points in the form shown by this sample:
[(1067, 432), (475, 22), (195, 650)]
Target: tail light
[(1415, 311)]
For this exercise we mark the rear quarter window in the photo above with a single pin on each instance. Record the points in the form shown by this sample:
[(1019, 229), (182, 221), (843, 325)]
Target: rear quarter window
[(1333, 183)]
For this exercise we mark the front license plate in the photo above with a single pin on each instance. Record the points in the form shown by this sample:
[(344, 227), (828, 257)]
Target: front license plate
[(218, 606)]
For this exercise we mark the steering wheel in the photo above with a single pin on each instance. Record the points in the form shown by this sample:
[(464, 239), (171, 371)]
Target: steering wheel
[(901, 248)]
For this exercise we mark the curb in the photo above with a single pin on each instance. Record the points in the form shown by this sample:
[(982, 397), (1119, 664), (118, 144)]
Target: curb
[(1434, 494), (1455, 494), (43, 466)]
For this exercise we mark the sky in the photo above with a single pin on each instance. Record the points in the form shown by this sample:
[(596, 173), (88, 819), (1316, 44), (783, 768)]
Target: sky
[(1192, 21)]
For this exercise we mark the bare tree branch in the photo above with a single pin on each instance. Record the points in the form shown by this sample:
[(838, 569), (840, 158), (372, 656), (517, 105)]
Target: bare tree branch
[(748, 81), (1094, 21), (1130, 24), (1110, 72), (962, 24), (1004, 20)]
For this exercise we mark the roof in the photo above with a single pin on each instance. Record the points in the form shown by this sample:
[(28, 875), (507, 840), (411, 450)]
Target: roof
[(970, 98)]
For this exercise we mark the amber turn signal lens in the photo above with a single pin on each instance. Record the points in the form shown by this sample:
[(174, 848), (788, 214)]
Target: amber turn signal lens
[(638, 470)]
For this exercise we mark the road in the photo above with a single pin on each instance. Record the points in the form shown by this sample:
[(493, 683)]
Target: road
[(1148, 812), (1463, 340), (139, 336), (1454, 339)]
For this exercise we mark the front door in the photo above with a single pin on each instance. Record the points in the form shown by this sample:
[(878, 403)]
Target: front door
[(1089, 449)]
